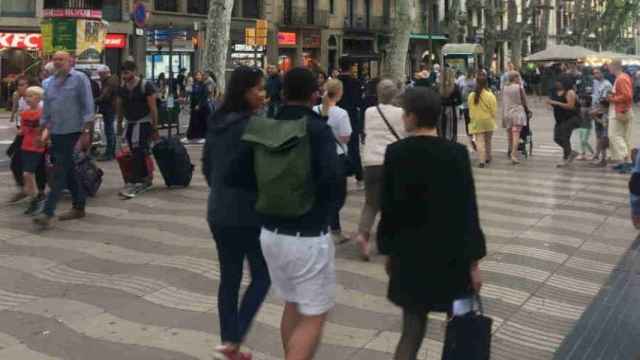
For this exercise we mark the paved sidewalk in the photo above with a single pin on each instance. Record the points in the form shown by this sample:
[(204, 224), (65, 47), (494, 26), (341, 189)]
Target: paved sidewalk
[(138, 279)]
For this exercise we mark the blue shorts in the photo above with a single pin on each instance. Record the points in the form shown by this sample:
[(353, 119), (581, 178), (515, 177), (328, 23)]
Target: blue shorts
[(31, 160)]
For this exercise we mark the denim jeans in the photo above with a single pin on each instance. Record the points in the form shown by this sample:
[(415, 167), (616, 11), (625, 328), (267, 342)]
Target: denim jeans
[(62, 148), (108, 119), (234, 244)]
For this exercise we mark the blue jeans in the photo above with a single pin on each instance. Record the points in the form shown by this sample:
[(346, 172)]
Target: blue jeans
[(62, 148), (108, 119), (234, 245)]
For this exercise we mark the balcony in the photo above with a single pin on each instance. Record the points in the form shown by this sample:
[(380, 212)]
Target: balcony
[(359, 24), (26, 8), (166, 5), (297, 16), (73, 4)]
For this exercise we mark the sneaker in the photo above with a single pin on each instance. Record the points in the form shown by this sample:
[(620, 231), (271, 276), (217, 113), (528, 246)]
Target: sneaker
[(200, 141), (34, 204), (137, 189), (128, 188), (18, 198), (618, 167), (482, 165), (599, 164)]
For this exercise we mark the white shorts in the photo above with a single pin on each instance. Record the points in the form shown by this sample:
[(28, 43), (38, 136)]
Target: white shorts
[(302, 270)]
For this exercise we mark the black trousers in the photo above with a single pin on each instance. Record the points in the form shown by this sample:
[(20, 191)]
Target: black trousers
[(562, 134), (339, 200)]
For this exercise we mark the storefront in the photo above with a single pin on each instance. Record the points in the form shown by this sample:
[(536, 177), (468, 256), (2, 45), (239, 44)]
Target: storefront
[(361, 50), (299, 47), (19, 54), (163, 59)]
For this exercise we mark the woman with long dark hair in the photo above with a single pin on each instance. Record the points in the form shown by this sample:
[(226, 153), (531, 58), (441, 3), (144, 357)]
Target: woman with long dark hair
[(231, 211), (565, 111), (199, 109), (482, 111)]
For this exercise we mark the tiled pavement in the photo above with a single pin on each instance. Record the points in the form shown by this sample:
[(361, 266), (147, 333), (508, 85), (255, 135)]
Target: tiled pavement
[(137, 279)]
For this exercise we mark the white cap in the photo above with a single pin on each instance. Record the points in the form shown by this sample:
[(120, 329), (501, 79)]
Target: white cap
[(103, 69)]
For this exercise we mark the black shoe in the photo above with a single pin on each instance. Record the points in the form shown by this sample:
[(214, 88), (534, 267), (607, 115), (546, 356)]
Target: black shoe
[(34, 204)]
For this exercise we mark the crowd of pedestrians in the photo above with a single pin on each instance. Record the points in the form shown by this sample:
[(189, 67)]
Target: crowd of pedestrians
[(278, 152)]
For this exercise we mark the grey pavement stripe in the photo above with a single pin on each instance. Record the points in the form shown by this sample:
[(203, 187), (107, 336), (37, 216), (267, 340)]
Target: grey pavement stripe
[(574, 285), (590, 265), (515, 270), (9, 300), (171, 297), (534, 252), (12, 348), (191, 221), (530, 337), (552, 173), (558, 185), (553, 307)]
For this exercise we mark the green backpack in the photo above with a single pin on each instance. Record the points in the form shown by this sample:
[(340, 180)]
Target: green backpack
[(282, 163)]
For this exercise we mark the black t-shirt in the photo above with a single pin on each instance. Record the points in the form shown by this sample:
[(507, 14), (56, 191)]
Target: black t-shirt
[(134, 102)]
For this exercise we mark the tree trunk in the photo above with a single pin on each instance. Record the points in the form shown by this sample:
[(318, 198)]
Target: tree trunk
[(218, 24), (544, 32), (490, 35), (396, 58)]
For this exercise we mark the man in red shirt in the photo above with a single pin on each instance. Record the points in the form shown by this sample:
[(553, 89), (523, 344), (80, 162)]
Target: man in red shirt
[(622, 99)]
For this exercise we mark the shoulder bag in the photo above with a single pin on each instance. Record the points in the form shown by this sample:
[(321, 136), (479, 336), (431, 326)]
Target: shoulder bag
[(391, 129)]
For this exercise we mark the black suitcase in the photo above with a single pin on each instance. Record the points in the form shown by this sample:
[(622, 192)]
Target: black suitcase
[(173, 161)]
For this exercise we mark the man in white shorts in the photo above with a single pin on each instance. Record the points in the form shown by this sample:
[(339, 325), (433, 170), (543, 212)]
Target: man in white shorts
[(299, 251)]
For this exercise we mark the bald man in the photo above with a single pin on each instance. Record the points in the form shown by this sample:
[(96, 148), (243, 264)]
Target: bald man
[(68, 114)]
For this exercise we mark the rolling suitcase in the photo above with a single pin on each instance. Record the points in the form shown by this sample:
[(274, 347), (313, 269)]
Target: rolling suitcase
[(174, 162), (125, 162)]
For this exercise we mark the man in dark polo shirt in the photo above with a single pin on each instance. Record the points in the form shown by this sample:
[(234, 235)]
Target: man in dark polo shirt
[(299, 250), (137, 103)]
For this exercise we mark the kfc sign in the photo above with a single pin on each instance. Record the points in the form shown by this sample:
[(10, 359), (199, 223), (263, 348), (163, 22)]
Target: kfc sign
[(115, 41), (20, 40)]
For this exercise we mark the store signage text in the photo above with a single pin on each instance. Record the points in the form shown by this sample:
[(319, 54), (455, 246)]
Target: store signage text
[(72, 13), (34, 41), (286, 38), (115, 41), (20, 40)]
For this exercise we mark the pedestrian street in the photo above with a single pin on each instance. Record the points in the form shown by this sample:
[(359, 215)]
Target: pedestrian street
[(138, 279)]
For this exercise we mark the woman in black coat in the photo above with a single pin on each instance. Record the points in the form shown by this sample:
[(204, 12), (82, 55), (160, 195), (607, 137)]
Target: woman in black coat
[(200, 109), (429, 226)]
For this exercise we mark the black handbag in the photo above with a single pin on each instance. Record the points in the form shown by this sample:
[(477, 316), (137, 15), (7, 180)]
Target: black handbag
[(468, 336), (346, 166)]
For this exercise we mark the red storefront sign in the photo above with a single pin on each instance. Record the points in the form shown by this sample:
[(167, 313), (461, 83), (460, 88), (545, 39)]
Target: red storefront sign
[(286, 38), (115, 41), (72, 13), (20, 40), (34, 41)]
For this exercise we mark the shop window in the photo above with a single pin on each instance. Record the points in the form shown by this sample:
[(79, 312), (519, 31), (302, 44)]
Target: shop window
[(112, 10), (288, 11), (251, 9), (198, 7), (386, 12), (18, 7), (167, 5), (69, 4), (332, 6)]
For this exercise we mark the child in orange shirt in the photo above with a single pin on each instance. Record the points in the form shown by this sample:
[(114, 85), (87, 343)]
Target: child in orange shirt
[(32, 146)]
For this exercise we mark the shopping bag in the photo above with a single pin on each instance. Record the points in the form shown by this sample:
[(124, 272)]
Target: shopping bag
[(468, 336)]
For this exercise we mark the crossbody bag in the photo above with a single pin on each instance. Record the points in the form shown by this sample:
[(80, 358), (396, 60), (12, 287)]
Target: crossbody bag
[(391, 129)]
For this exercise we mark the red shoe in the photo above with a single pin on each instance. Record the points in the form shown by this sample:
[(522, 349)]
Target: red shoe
[(229, 353)]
